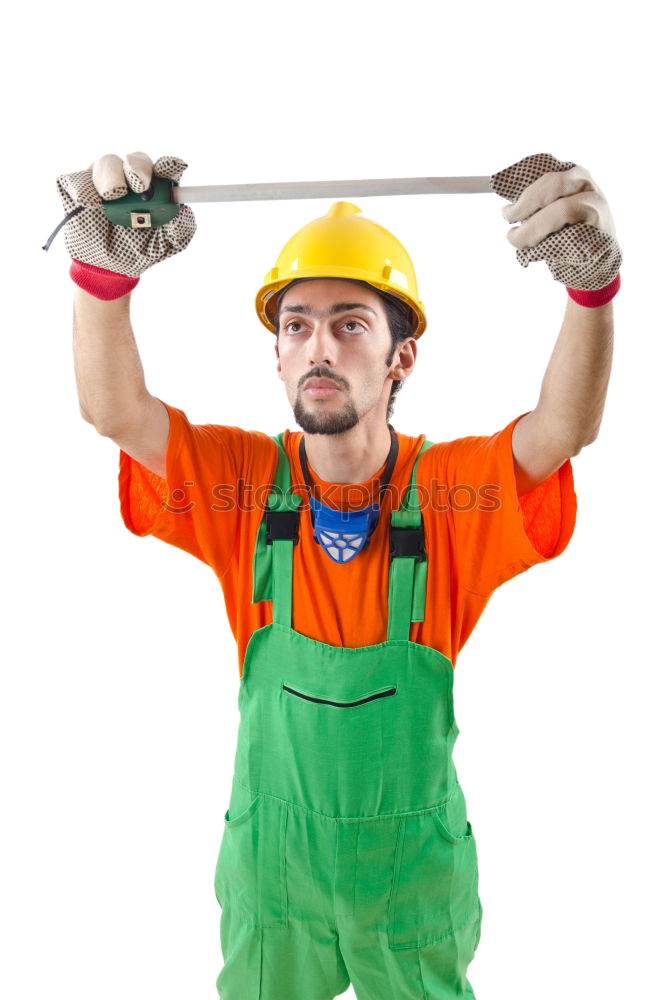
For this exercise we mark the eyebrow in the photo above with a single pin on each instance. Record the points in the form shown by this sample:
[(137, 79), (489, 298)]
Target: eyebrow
[(337, 308)]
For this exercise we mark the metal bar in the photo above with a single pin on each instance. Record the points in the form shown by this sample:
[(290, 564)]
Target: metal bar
[(331, 189)]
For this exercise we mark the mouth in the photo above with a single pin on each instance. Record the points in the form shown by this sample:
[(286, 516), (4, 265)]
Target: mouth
[(322, 390), (321, 387)]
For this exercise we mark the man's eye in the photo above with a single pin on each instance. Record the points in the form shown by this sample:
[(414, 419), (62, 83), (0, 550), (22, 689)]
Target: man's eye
[(354, 324)]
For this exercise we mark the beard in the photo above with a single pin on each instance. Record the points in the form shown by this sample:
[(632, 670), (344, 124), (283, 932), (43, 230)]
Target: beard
[(316, 418)]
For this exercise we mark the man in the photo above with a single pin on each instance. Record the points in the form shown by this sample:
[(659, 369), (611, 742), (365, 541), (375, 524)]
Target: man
[(356, 577)]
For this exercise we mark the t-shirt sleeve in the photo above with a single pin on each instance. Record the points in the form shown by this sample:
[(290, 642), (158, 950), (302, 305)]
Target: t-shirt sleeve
[(497, 534), (198, 504)]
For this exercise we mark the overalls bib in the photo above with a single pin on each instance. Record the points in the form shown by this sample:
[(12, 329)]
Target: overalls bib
[(346, 854)]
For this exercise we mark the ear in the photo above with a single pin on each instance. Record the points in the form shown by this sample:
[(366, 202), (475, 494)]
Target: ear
[(405, 358)]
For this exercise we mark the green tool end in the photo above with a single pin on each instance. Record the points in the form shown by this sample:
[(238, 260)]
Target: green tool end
[(148, 210)]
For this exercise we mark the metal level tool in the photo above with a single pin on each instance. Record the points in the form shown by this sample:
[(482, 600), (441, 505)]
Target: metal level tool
[(160, 203)]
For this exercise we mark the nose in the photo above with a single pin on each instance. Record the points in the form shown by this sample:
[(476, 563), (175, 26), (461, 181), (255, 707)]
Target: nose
[(321, 345)]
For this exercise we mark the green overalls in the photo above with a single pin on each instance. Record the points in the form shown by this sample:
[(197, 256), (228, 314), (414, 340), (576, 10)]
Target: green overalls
[(346, 853)]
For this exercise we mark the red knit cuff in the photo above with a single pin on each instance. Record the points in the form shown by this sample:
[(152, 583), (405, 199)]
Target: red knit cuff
[(597, 296), (101, 284)]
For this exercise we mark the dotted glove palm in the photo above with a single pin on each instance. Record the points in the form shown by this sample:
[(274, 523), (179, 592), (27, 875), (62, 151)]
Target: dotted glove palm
[(107, 259), (565, 221)]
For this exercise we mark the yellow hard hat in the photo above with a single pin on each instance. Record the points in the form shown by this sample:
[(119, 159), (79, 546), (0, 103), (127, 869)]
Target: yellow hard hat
[(343, 244)]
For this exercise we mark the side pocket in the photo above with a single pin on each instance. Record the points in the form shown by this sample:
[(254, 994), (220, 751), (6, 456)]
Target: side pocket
[(450, 837), (435, 877), (250, 868), (479, 924)]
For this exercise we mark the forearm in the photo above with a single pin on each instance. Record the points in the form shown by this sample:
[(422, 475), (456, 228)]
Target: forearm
[(574, 388), (109, 373)]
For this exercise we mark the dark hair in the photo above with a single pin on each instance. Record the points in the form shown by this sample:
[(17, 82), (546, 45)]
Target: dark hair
[(402, 321)]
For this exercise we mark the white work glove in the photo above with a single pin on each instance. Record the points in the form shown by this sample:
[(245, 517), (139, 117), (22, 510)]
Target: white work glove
[(565, 221), (108, 259)]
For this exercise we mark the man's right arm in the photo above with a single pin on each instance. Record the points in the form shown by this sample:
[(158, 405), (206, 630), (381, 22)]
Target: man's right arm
[(111, 383)]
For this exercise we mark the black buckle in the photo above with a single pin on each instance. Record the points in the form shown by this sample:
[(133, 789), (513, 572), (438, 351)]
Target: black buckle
[(408, 542), (282, 524)]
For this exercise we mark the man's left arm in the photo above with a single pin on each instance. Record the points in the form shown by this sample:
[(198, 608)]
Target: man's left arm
[(572, 398), (565, 221)]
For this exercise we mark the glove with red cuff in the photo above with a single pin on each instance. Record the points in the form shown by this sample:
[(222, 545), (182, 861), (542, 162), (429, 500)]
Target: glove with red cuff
[(107, 259), (565, 221)]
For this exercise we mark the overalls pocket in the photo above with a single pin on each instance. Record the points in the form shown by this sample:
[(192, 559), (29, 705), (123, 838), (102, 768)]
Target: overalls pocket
[(435, 881), (250, 875)]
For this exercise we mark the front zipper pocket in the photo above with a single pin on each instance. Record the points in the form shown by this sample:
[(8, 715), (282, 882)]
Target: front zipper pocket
[(340, 704)]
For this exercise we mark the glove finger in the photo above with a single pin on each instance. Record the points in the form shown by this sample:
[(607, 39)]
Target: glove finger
[(547, 189), (510, 183), (579, 256), (93, 239), (181, 230), (78, 189), (170, 166), (108, 177), (585, 206), (137, 169)]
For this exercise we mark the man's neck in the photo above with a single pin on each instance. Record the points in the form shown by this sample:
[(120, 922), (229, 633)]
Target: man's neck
[(352, 457)]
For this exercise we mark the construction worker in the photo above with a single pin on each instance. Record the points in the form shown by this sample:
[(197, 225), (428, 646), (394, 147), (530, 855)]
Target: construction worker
[(355, 562)]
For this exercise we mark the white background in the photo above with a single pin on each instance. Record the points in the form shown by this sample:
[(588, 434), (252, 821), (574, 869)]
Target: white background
[(118, 704)]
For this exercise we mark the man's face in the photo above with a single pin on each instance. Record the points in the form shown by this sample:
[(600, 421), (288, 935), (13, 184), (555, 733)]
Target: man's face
[(335, 330)]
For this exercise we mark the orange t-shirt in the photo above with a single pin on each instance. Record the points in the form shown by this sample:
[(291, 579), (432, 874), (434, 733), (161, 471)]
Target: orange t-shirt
[(478, 532)]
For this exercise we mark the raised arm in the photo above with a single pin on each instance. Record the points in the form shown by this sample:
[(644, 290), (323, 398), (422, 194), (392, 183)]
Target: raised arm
[(112, 394), (107, 262), (565, 221), (572, 398)]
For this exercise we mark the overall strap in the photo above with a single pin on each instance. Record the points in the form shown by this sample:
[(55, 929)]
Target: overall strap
[(408, 569), (277, 535)]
